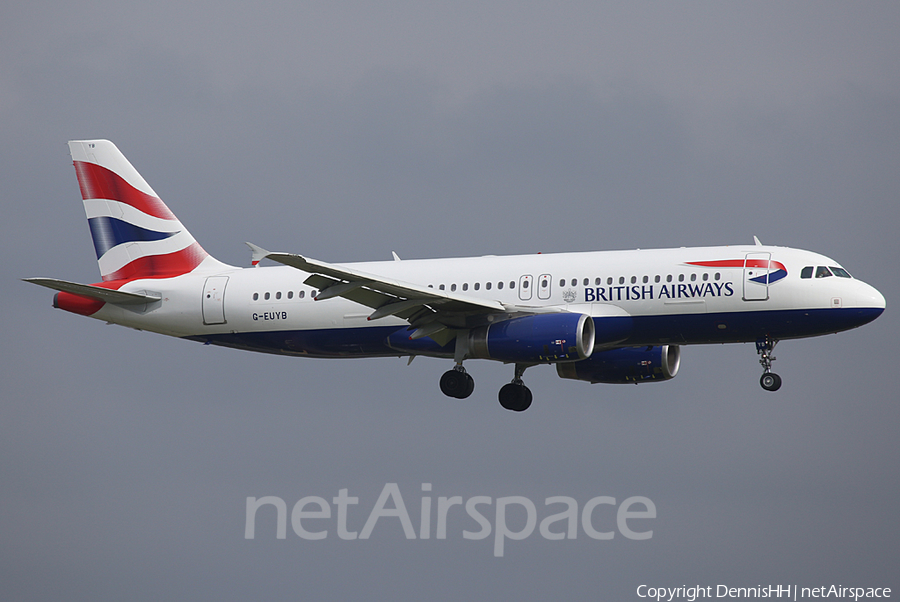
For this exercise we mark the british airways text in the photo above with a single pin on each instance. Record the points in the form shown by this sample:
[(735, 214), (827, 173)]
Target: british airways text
[(643, 292)]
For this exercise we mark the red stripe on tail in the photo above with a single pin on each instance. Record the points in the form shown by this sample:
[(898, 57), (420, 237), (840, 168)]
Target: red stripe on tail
[(97, 182), (161, 266)]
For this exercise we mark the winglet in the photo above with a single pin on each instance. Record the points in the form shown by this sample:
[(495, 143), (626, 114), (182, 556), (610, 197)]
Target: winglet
[(756, 242), (257, 255), (396, 257)]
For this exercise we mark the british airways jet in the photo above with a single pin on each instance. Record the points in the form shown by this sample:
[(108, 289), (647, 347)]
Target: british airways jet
[(600, 317)]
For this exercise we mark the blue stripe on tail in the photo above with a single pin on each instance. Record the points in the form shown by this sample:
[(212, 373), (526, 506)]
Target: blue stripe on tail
[(109, 232)]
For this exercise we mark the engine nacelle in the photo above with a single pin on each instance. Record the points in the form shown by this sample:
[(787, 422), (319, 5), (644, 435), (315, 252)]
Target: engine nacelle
[(625, 365), (539, 338)]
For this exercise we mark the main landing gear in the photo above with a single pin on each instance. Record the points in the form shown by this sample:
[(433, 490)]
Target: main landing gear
[(457, 383), (769, 380), (513, 396)]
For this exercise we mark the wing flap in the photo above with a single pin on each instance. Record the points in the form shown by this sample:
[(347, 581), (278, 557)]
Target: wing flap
[(360, 295)]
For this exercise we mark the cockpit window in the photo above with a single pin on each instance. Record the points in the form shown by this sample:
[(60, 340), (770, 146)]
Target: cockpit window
[(822, 272), (806, 272), (840, 272)]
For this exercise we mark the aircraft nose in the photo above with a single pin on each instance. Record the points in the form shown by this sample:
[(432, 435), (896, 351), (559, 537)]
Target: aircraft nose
[(872, 298), (869, 302)]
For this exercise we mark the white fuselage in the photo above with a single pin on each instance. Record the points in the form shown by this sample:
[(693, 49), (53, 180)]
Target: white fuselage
[(663, 293)]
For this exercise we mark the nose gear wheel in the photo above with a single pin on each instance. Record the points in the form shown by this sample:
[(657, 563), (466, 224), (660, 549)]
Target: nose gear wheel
[(769, 380)]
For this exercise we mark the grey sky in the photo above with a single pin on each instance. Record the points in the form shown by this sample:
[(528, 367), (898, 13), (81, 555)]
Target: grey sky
[(346, 132)]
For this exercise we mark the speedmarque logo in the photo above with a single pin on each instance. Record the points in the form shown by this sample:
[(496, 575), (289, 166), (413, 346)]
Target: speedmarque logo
[(312, 517)]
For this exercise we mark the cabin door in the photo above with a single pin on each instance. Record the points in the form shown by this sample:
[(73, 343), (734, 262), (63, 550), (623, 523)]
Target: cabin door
[(756, 276), (214, 300)]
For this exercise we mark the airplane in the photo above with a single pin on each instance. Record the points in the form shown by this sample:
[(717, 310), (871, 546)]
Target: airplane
[(599, 317)]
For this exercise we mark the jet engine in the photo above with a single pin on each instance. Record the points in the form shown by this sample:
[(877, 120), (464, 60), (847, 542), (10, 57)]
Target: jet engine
[(625, 365), (531, 339), (539, 338)]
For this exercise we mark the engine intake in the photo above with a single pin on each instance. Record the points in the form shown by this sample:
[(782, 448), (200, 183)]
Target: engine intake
[(625, 365)]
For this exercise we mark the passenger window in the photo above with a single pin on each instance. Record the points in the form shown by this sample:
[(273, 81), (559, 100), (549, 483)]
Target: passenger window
[(453, 287), (646, 279), (487, 286), (562, 281), (256, 296), (693, 277), (609, 280), (267, 296), (477, 285), (544, 283), (806, 272), (278, 295), (705, 276), (669, 278), (621, 279), (633, 279), (499, 285), (586, 281), (512, 284), (465, 286), (840, 272), (656, 278), (441, 287), (598, 281), (574, 281), (525, 284), (822, 272), (680, 277), (718, 275), (290, 294), (301, 294)]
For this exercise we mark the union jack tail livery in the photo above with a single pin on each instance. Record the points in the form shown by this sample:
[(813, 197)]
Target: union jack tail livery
[(135, 234)]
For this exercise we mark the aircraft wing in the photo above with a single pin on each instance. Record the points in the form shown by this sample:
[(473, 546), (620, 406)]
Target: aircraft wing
[(427, 309), (94, 292)]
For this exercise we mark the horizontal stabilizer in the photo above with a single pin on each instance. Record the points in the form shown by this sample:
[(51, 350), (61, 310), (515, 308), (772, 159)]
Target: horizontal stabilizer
[(94, 292)]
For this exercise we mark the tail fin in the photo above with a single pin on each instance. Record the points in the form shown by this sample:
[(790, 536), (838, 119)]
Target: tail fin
[(135, 234)]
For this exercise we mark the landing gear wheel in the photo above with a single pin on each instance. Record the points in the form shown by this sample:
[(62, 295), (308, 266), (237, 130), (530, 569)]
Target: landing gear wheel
[(457, 383), (470, 386), (770, 381), (515, 396)]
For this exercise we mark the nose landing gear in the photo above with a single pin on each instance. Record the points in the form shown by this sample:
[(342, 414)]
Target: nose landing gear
[(769, 380)]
